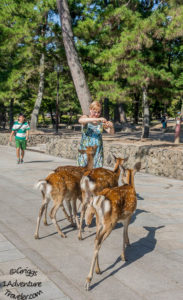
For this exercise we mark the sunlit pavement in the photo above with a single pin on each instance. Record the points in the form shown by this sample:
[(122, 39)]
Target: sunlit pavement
[(155, 257)]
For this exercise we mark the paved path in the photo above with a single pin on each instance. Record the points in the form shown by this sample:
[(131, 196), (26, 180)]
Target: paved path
[(154, 270)]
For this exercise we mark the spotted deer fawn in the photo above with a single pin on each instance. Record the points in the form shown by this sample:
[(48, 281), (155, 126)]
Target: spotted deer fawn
[(101, 178), (60, 186), (111, 205)]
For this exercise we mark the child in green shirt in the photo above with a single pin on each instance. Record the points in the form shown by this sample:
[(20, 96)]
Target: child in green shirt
[(21, 130)]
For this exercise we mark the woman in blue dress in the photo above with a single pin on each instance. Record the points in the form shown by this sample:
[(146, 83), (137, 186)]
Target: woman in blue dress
[(92, 128)]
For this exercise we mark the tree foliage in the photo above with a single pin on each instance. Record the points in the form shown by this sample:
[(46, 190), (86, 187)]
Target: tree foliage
[(123, 46)]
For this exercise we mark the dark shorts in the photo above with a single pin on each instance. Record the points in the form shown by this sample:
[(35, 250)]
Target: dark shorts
[(21, 144)]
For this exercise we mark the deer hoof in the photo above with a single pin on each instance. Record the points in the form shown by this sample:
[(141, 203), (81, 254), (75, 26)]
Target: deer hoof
[(36, 236), (63, 235), (87, 285), (79, 235), (123, 257)]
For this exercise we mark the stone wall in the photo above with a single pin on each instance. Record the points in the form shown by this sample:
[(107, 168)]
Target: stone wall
[(33, 140), (4, 138), (155, 159)]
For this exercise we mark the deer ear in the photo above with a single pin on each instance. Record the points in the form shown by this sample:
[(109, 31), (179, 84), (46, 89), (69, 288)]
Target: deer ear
[(123, 174), (123, 170), (81, 151), (113, 156), (125, 159), (137, 167)]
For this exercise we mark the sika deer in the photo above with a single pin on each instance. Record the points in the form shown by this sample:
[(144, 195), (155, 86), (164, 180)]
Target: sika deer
[(59, 186), (111, 205), (101, 178), (76, 171)]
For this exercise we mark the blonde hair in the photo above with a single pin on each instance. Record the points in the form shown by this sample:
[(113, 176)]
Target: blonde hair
[(96, 105)]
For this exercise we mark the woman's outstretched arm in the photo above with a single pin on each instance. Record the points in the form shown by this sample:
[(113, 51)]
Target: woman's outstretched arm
[(85, 119)]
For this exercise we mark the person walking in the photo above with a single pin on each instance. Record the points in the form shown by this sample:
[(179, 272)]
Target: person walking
[(92, 128), (21, 131), (164, 122)]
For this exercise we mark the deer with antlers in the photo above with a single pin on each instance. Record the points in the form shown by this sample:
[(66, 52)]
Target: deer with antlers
[(111, 205)]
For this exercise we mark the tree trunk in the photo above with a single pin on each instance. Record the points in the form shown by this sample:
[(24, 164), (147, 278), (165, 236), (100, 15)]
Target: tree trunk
[(52, 118), (57, 105), (3, 115), (106, 108), (182, 106), (177, 130), (37, 105), (136, 109), (119, 113), (122, 115), (145, 129), (116, 114), (75, 67), (11, 113)]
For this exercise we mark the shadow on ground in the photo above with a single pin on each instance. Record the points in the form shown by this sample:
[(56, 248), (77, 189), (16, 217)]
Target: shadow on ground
[(37, 161), (118, 225), (139, 197), (69, 227), (134, 252)]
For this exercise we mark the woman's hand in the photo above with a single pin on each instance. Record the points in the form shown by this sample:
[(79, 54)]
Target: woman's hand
[(109, 124), (109, 127), (103, 120)]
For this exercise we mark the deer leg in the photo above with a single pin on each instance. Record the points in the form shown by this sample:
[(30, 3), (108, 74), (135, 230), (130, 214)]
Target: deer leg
[(127, 241), (125, 237), (45, 214), (75, 212), (98, 234), (98, 226), (42, 208), (101, 236), (98, 230), (78, 208), (90, 275), (68, 202), (53, 217), (97, 268), (81, 220), (90, 211), (45, 210), (65, 213)]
